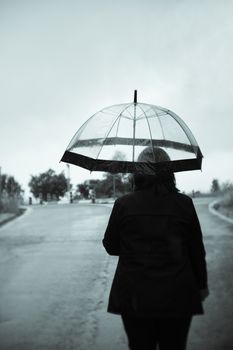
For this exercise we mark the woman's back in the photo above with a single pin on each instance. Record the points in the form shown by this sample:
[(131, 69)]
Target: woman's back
[(150, 224), (153, 236)]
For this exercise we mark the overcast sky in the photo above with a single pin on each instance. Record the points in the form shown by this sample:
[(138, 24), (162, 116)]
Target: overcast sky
[(62, 61)]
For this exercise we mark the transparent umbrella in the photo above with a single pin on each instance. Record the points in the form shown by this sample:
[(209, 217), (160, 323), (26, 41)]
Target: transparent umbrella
[(112, 139)]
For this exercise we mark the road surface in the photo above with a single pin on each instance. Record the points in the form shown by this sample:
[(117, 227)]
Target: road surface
[(55, 278)]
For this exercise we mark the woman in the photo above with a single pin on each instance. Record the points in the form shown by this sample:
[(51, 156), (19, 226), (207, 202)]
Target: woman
[(161, 277)]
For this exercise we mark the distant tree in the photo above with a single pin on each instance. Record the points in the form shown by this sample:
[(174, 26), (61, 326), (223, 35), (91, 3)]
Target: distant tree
[(12, 186), (48, 184), (116, 184), (9, 185), (108, 183), (215, 187), (109, 186), (84, 190)]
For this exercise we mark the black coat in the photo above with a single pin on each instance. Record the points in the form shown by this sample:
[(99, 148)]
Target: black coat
[(161, 266)]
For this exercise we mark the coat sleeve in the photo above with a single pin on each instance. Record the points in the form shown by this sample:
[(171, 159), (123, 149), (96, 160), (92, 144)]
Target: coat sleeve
[(111, 241), (197, 251)]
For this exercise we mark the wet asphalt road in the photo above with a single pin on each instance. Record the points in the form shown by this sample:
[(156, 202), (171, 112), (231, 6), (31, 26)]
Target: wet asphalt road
[(55, 279)]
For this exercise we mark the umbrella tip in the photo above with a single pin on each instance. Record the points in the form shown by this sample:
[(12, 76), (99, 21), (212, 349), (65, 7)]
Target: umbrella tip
[(135, 96)]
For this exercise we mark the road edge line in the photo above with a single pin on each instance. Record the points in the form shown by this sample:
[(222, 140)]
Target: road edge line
[(213, 211)]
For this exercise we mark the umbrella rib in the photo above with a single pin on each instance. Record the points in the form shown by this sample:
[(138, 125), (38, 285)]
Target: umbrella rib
[(148, 127), (79, 132), (120, 116), (130, 114), (151, 116), (184, 127), (141, 115), (160, 123), (108, 112), (112, 113), (111, 129), (118, 124)]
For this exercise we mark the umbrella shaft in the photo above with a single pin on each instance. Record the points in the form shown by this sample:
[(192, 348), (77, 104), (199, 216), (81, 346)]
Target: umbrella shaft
[(134, 129)]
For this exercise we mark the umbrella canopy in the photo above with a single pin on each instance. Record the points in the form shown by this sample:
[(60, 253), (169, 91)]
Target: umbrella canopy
[(113, 138)]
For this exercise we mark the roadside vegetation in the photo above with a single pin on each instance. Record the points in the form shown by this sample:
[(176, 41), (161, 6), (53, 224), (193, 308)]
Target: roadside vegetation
[(224, 190), (11, 198), (224, 194), (10, 194), (227, 200)]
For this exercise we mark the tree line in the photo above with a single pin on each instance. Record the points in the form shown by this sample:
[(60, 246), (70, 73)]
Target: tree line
[(112, 185), (48, 186)]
